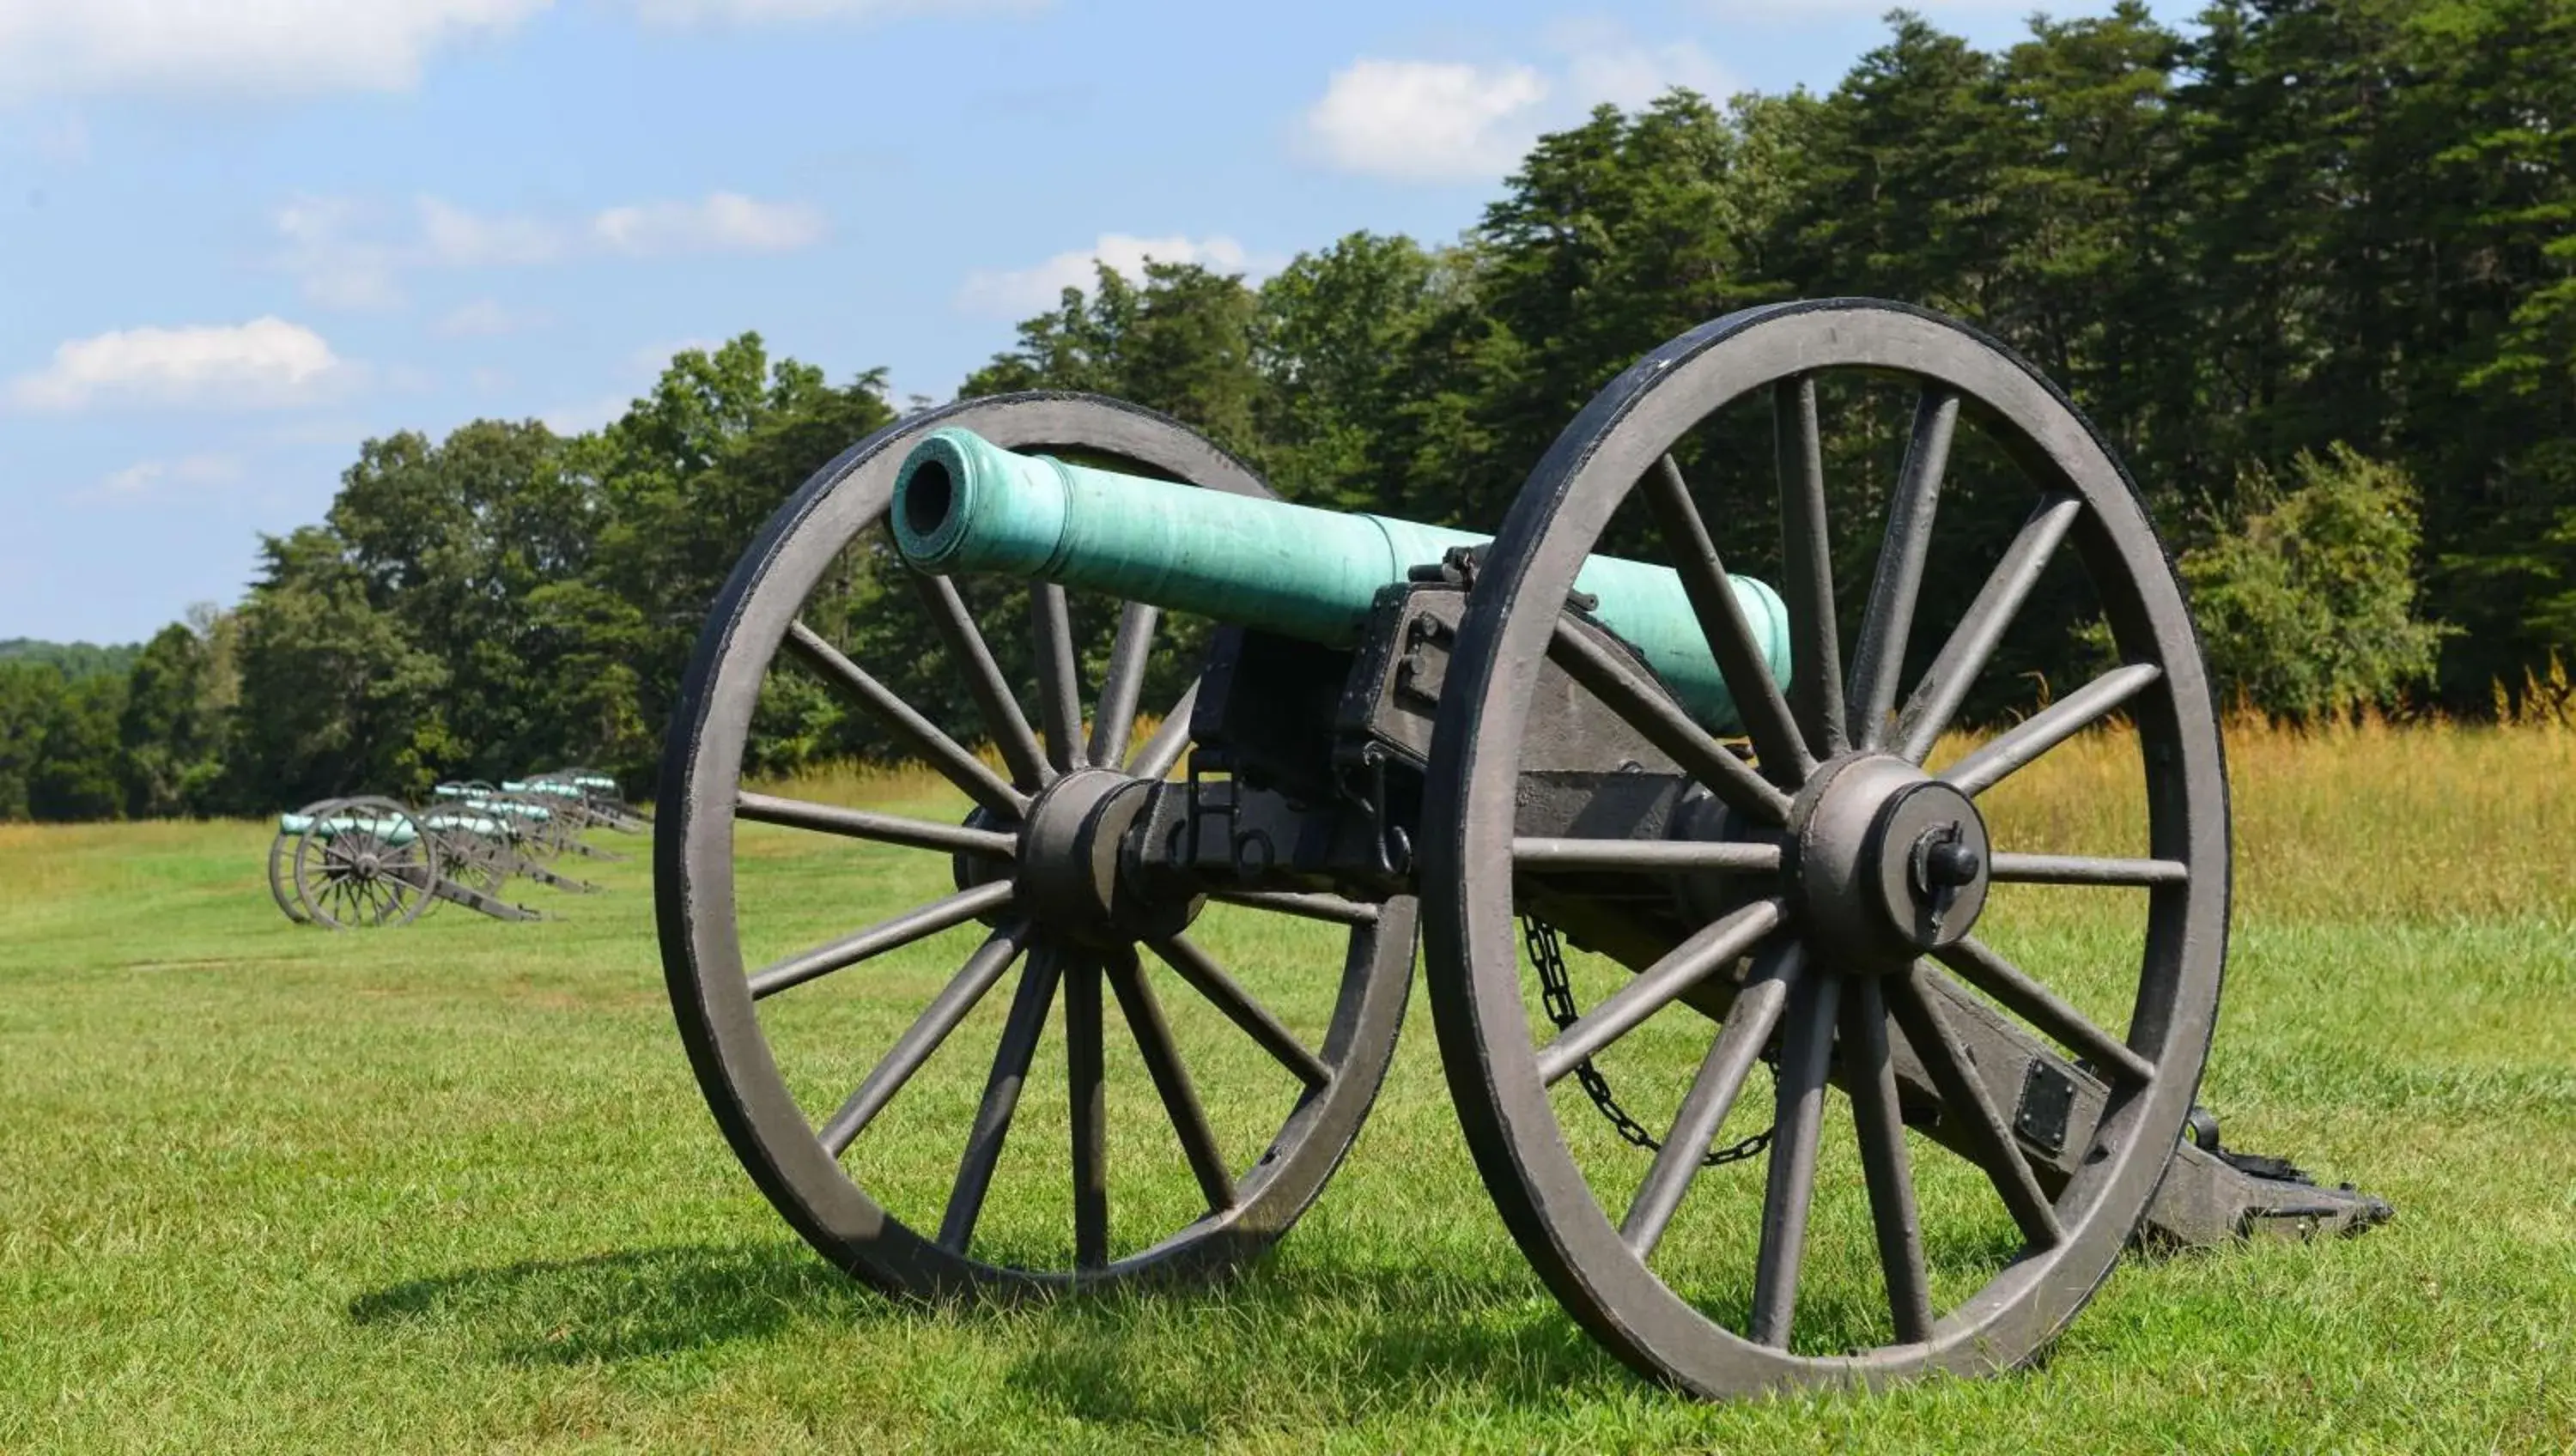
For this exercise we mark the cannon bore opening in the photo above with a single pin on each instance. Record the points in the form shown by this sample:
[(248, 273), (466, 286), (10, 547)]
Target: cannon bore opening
[(929, 493)]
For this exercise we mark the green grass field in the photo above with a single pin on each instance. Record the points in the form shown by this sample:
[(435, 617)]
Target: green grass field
[(267, 1188)]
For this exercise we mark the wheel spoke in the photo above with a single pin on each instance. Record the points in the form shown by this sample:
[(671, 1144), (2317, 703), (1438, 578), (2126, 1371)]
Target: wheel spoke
[(1129, 653), (1311, 907), (1657, 986), (885, 935), (1211, 981), (1170, 741), (1946, 682), (2014, 749), (1890, 618), (923, 1037), (1059, 674), (1001, 709), (881, 828), (1870, 1072), (1011, 1057), (1645, 706), (1644, 854), (1777, 744), (1712, 1095), (1989, 972), (1806, 1058), (1991, 1147), (918, 733), (1807, 568), (1083, 1078), (1162, 1059), (2077, 869)]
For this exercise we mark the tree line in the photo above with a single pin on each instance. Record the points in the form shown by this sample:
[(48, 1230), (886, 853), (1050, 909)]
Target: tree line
[(2310, 265)]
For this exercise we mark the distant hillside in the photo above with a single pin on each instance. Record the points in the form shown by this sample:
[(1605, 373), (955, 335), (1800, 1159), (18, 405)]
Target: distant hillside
[(76, 659)]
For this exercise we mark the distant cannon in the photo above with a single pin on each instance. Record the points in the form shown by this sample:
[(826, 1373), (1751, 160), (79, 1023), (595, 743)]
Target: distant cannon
[(573, 811), (1522, 743), (364, 863), (600, 798), (537, 828)]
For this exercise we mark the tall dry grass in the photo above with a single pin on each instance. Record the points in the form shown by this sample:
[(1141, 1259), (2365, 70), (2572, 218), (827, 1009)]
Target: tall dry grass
[(2356, 819)]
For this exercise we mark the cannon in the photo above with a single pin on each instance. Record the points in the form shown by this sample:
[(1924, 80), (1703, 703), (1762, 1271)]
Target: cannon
[(572, 810), (1747, 830), (532, 829), (364, 863), (600, 800)]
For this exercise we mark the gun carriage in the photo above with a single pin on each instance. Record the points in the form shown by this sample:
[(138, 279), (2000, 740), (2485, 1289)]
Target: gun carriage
[(532, 829), (1506, 744), (600, 801), (364, 863)]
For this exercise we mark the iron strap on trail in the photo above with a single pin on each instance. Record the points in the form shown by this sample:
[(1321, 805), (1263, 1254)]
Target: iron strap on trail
[(1556, 992)]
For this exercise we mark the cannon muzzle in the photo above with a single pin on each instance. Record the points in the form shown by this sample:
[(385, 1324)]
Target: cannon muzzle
[(964, 504)]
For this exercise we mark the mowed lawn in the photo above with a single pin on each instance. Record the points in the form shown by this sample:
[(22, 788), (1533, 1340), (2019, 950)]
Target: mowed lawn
[(452, 1186)]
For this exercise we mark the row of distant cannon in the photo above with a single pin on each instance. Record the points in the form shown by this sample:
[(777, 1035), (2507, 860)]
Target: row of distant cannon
[(359, 863)]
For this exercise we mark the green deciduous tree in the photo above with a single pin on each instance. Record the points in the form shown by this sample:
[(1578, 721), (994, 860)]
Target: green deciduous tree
[(2307, 606)]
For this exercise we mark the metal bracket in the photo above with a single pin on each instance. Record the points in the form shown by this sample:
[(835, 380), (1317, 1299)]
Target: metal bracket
[(2047, 1100)]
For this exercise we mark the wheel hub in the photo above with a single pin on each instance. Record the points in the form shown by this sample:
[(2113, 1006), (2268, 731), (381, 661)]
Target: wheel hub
[(1889, 863), (1069, 857)]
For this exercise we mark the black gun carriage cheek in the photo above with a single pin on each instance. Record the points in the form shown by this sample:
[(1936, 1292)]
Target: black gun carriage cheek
[(1503, 743)]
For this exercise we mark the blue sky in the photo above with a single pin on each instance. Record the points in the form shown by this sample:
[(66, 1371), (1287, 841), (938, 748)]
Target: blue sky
[(237, 237)]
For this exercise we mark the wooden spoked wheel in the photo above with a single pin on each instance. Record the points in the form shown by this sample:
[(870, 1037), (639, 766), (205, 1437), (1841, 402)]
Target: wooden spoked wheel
[(362, 864), (1817, 950), (1030, 823), (282, 847)]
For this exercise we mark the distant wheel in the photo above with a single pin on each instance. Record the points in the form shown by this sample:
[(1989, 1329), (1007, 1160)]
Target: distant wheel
[(474, 849), (1033, 823), (281, 865), (364, 864), (535, 827), (1848, 946)]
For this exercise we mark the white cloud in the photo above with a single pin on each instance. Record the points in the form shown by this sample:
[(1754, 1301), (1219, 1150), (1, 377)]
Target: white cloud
[(1453, 121), (650, 360), (1783, 10), (270, 48), (484, 318), (260, 47), (452, 237), (586, 415), (1426, 121), (164, 479), (725, 222), (684, 12), (266, 363), (338, 271), (349, 257), (1630, 75), (1022, 291)]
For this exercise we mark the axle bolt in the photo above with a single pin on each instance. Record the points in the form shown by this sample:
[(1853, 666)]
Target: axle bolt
[(1949, 864)]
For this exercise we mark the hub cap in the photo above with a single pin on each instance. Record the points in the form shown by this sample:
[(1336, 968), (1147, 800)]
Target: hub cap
[(1890, 863)]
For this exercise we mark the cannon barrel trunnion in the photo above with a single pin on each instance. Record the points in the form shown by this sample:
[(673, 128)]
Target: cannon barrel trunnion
[(1742, 815)]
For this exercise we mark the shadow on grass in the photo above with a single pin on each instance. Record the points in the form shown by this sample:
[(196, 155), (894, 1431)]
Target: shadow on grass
[(626, 1306), (1173, 1359), (1316, 1334)]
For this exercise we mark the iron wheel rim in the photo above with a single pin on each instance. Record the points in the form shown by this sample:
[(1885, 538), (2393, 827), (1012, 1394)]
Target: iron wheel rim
[(1472, 966), (696, 911)]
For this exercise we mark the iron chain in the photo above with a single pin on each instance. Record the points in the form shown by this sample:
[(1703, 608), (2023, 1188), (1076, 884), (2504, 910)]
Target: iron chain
[(1556, 993)]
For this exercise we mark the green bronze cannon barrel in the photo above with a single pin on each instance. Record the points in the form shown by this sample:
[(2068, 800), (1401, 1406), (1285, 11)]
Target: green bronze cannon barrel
[(964, 504)]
